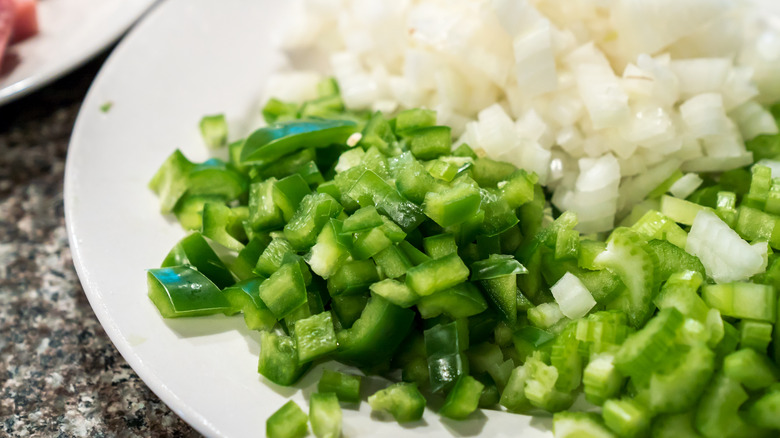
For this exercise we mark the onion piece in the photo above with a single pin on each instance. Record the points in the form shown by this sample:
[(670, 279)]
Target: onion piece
[(574, 299), (683, 187), (726, 256)]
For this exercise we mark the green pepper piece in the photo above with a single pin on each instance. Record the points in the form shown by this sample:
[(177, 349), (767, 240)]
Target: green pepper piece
[(364, 219), (345, 386), (288, 422), (379, 134), (325, 106), (284, 166), (224, 225), (189, 210), (415, 256), (284, 291), (414, 118), (264, 214), (234, 156), (353, 278), (528, 339), (440, 245), (464, 150), (482, 325), (273, 142), (331, 250), (310, 173), (437, 275), (214, 130), (193, 250), (276, 110), (396, 292), (463, 399), (371, 190), (271, 258), (315, 337), (288, 193), (314, 212), (497, 265), (325, 414), (402, 400), (488, 173), (245, 296), (411, 178), (445, 345), (169, 183), (502, 292), (499, 216), (429, 142), (246, 260), (279, 359), (392, 262), (671, 259), (454, 205), (348, 308), (460, 301), (518, 189), (376, 335), (445, 168), (180, 291), (215, 177)]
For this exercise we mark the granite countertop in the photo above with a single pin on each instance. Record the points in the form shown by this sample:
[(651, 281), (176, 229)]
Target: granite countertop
[(60, 375)]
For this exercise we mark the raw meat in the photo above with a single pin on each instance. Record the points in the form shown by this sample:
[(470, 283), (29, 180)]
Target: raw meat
[(26, 20), (6, 25)]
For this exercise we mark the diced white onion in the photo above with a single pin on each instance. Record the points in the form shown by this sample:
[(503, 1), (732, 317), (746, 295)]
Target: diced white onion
[(574, 299), (704, 114), (598, 87), (700, 75), (543, 84), (535, 60), (753, 120), (683, 187), (296, 86), (726, 256)]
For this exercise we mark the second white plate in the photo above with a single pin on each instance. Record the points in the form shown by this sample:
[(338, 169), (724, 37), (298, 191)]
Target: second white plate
[(71, 32)]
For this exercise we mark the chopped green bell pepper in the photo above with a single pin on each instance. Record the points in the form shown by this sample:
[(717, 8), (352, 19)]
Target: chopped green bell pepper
[(194, 251), (345, 386), (288, 422), (375, 336), (179, 291), (402, 400), (246, 296), (272, 142)]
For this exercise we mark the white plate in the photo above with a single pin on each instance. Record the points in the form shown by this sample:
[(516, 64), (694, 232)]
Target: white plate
[(71, 32), (186, 59)]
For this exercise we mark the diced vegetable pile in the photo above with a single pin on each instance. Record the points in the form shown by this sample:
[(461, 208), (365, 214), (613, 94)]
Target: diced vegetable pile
[(364, 239), (603, 100)]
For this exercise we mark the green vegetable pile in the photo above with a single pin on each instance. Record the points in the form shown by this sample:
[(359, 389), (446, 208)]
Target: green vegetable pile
[(367, 240)]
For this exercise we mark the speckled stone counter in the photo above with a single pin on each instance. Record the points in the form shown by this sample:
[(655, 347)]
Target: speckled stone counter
[(60, 375)]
